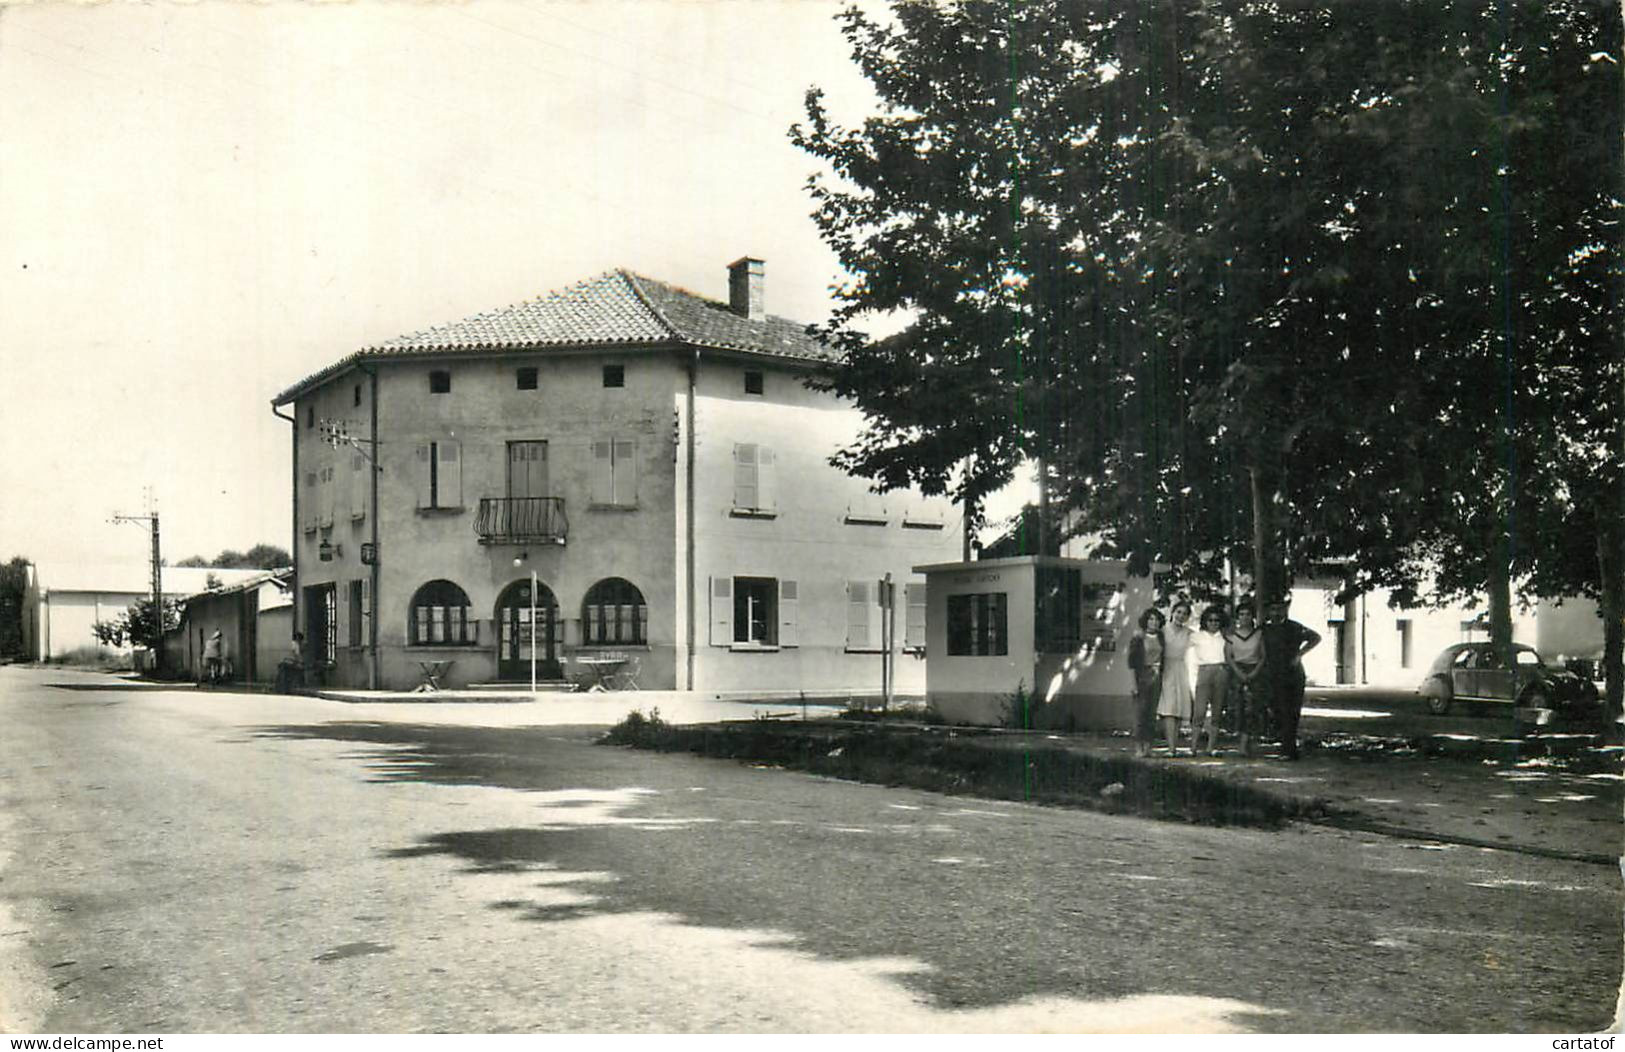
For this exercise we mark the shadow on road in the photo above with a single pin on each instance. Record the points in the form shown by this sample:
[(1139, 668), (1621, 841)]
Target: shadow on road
[(998, 906)]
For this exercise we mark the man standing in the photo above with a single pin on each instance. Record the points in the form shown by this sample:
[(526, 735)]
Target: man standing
[(1285, 644), (214, 656)]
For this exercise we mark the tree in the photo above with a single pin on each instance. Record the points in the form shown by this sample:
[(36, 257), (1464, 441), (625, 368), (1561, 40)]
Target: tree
[(259, 557), (138, 625), (1001, 200), (13, 580), (1302, 276)]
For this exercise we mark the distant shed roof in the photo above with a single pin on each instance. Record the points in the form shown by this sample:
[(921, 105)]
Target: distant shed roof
[(617, 309), (134, 578)]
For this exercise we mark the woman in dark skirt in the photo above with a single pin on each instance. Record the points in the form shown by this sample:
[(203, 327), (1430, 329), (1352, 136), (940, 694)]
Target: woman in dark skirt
[(1145, 659)]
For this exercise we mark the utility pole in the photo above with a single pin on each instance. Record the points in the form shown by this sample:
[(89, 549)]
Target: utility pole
[(150, 521)]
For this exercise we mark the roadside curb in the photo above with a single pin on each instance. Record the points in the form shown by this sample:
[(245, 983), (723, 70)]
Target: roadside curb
[(1356, 823)]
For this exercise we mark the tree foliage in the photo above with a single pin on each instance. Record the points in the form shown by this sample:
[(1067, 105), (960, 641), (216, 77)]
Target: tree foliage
[(259, 557), (13, 579), (1318, 281), (138, 625)]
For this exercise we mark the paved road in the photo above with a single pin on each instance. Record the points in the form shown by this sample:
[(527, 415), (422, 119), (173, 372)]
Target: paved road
[(185, 862)]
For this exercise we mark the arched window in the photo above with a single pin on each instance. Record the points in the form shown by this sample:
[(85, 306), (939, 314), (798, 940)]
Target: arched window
[(440, 616), (614, 612)]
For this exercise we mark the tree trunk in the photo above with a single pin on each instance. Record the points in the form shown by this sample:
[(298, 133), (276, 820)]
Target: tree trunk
[(1269, 577), (1611, 605), (1500, 594)]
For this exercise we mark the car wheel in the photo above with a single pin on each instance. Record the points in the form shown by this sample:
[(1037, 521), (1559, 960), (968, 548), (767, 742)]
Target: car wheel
[(1438, 704)]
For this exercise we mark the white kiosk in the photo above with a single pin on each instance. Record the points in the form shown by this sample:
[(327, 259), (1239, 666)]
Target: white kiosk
[(1056, 628)]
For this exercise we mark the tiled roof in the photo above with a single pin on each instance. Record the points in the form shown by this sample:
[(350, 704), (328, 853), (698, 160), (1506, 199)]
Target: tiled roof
[(616, 309), (604, 310)]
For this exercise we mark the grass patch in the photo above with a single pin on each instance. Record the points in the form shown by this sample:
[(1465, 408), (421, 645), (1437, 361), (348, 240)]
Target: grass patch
[(991, 766), (906, 712)]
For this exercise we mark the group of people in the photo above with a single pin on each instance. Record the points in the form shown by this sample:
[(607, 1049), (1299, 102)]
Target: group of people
[(1226, 670)]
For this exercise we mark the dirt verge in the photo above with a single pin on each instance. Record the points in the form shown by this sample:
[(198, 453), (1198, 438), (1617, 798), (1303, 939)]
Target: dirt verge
[(952, 761)]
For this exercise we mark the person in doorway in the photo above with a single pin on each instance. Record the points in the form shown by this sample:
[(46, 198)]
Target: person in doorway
[(1244, 655), (290, 671), (1175, 701), (1145, 660), (213, 656), (1212, 679), (1285, 643)]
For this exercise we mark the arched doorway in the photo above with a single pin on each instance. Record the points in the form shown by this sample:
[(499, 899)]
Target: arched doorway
[(514, 635)]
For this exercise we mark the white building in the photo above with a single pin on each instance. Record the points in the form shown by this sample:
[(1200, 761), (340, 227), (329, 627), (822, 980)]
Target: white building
[(61, 601)]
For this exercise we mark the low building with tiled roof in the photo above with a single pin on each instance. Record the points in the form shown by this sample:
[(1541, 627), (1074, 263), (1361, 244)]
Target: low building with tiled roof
[(654, 457), (61, 601)]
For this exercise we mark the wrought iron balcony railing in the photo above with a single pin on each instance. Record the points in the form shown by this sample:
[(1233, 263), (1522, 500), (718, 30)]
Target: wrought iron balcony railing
[(522, 520)]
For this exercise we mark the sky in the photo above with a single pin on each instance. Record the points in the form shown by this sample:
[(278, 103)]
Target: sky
[(202, 203)]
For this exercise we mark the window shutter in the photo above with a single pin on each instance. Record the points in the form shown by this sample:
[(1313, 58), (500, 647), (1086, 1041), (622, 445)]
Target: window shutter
[(788, 604), (366, 610), (766, 492), (450, 487), (745, 491), (626, 473), (341, 618), (312, 502), (425, 467), (343, 487), (325, 497), (914, 628), (857, 614), (603, 473), (360, 491), (722, 611)]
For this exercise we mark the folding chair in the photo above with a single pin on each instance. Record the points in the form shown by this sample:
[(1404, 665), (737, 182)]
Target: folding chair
[(626, 677)]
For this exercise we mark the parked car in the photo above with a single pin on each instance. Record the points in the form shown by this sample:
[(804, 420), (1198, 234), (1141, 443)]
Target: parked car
[(1477, 673)]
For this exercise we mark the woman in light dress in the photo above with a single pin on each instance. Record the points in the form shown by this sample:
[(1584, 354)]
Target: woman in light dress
[(1176, 704)]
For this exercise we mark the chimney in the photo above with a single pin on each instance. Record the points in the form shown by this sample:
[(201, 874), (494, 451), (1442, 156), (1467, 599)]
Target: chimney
[(745, 288)]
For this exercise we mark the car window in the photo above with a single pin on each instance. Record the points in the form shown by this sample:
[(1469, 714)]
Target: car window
[(1528, 658), (1465, 659)]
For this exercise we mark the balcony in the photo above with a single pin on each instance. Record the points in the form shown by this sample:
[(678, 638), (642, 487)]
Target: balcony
[(521, 520)]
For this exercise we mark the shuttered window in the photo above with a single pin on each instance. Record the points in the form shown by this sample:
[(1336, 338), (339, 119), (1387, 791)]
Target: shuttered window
[(441, 616), (325, 497), (613, 613), (754, 612), (862, 615), (753, 478), (440, 474), (914, 627), (615, 476), (359, 486), (358, 613)]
